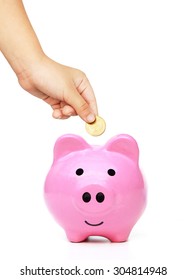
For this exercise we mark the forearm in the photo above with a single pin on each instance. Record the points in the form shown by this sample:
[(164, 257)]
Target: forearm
[(18, 41), (66, 89)]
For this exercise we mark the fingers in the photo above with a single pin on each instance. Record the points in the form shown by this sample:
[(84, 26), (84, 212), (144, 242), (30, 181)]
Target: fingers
[(82, 108), (81, 97), (66, 90), (63, 111), (57, 114), (86, 91), (68, 111)]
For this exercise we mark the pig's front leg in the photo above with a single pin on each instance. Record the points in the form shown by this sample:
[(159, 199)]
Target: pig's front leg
[(76, 236), (119, 236)]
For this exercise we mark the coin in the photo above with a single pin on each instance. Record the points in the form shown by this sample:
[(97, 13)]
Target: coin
[(97, 127)]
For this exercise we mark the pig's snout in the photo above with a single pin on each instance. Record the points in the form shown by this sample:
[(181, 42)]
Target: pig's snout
[(86, 197), (94, 198)]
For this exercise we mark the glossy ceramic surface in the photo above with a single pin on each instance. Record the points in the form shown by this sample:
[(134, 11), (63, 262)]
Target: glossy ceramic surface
[(95, 190)]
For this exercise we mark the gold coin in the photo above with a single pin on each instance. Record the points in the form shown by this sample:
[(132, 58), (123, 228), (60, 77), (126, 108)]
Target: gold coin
[(97, 127)]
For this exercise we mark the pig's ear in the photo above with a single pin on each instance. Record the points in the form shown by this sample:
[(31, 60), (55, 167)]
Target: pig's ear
[(124, 144), (67, 144)]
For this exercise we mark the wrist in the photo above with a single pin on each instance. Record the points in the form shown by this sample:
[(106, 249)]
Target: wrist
[(25, 66)]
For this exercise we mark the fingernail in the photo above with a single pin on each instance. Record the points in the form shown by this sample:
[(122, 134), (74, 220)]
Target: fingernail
[(90, 118)]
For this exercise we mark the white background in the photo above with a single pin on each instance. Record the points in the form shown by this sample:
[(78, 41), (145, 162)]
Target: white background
[(135, 56)]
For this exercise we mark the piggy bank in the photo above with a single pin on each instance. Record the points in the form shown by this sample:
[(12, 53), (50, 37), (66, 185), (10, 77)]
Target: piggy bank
[(95, 190)]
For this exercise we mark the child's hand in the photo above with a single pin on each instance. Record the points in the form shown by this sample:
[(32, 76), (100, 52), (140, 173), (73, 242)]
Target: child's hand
[(66, 89)]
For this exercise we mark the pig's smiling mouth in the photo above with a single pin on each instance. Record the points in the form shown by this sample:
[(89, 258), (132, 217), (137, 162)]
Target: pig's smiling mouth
[(94, 225)]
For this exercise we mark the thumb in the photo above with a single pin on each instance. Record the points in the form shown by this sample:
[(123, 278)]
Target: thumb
[(80, 105)]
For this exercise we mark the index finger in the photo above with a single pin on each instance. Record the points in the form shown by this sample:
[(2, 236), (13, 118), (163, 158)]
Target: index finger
[(86, 91)]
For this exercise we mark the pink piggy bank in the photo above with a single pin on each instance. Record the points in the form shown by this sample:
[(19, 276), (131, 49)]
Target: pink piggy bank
[(95, 190)]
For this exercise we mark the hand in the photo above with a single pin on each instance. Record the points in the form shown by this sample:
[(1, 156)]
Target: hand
[(65, 89)]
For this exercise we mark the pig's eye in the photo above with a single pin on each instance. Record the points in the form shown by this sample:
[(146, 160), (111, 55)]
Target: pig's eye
[(111, 172), (79, 171)]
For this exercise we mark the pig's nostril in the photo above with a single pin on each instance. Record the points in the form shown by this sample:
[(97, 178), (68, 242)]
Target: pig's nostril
[(79, 171), (100, 197), (86, 197), (111, 172)]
